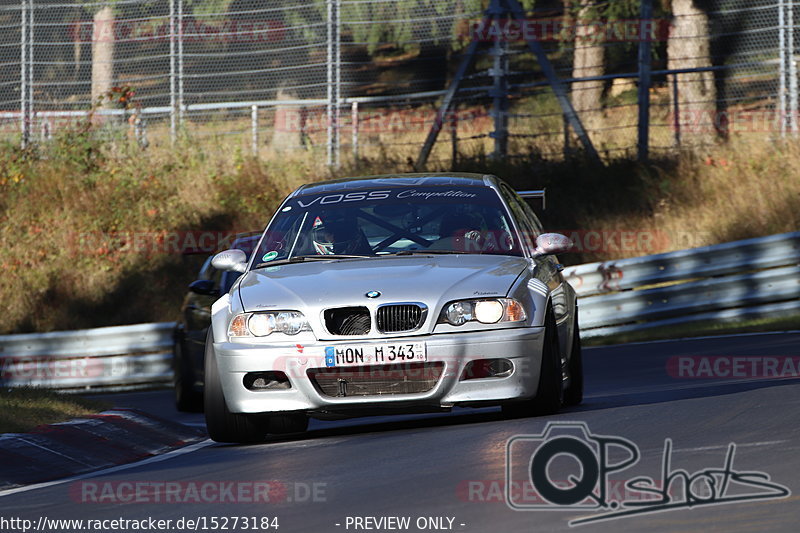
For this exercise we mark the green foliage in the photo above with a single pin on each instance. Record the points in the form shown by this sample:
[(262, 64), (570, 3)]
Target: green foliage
[(79, 147), (13, 167), (203, 8), (613, 10), (399, 23)]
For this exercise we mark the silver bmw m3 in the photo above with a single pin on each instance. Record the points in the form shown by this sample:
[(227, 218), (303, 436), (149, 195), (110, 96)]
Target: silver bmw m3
[(392, 294)]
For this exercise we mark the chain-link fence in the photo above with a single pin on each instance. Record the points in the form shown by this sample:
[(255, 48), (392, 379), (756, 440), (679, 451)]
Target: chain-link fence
[(361, 77), (743, 52)]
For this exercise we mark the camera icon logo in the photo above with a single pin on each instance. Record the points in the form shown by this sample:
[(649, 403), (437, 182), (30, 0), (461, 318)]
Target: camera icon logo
[(566, 467)]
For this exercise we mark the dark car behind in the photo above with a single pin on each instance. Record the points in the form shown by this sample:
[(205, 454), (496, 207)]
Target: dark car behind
[(189, 335)]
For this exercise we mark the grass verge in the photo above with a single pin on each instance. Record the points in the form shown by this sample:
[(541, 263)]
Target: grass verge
[(757, 325), (24, 408)]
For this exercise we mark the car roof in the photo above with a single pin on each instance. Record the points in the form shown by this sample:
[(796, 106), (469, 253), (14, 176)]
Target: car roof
[(419, 179)]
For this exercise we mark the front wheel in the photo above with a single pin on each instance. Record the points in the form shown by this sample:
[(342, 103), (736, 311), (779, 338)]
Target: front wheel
[(574, 393), (549, 392), (222, 425), (187, 399)]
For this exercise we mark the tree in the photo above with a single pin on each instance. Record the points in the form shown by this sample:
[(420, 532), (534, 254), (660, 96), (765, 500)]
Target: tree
[(588, 61), (103, 40), (590, 19), (689, 46)]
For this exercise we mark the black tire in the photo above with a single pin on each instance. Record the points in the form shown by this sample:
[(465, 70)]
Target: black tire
[(549, 393), (187, 399), (288, 423), (222, 425), (573, 395)]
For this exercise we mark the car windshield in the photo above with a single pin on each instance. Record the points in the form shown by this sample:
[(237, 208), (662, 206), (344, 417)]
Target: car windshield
[(388, 221)]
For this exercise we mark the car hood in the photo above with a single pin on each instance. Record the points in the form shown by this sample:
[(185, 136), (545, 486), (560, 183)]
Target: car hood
[(313, 286)]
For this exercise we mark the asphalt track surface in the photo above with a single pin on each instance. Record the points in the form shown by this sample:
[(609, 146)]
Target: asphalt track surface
[(453, 466)]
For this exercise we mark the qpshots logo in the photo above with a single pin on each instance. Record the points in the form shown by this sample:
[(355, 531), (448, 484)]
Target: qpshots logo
[(569, 468)]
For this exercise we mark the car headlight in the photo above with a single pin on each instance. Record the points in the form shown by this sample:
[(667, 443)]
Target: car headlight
[(263, 324), (485, 311), (488, 311)]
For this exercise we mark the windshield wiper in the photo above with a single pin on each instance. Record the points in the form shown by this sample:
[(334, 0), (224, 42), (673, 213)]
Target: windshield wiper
[(426, 252), (301, 258)]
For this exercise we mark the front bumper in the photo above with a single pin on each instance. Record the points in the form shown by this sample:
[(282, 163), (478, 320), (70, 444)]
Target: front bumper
[(522, 346)]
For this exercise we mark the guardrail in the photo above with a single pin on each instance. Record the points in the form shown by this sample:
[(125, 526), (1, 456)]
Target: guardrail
[(114, 358), (742, 279)]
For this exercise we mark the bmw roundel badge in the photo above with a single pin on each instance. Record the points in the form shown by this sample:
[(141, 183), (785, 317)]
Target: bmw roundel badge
[(373, 294)]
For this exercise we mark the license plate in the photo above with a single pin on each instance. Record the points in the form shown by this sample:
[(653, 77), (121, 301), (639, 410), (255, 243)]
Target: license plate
[(374, 354)]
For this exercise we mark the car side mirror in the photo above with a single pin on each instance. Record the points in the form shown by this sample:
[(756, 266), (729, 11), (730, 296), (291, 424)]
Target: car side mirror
[(204, 287), (230, 260), (552, 243)]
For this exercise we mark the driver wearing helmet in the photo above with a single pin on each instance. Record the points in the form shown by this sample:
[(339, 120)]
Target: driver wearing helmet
[(340, 236), (465, 231)]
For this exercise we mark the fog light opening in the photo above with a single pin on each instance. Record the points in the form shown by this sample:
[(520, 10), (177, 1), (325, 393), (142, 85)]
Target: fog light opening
[(487, 368), (261, 381)]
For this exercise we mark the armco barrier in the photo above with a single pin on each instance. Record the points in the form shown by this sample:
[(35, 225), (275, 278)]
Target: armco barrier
[(710, 261), (744, 279), (115, 358)]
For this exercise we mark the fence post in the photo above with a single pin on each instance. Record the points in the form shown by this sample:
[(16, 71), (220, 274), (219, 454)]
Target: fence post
[(454, 135), (782, 65), (254, 129), (31, 77), (172, 70), (329, 107), (181, 108), (676, 109), (334, 80), (645, 29), (23, 61), (46, 129), (139, 128), (338, 82), (142, 134), (793, 103), (354, 122), (499, 95)]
